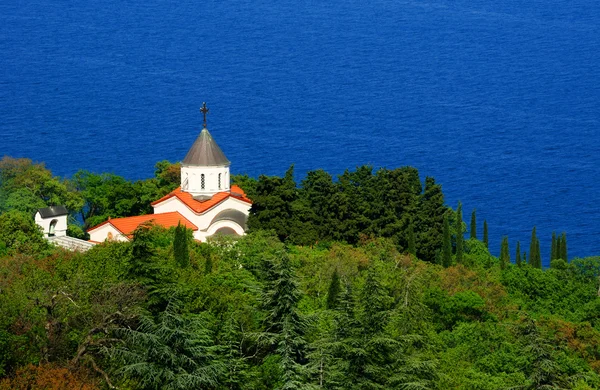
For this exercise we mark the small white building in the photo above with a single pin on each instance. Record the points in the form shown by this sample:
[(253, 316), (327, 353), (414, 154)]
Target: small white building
[(53, 220), (205, 202)]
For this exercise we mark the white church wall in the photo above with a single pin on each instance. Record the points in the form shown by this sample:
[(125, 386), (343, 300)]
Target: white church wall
[(191, 179), (228, 204), (174, 204), (202, 221), (60, 224), (107, 232)]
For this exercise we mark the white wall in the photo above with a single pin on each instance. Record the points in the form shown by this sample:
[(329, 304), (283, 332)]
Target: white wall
[(202, 221), (60, 229), (191, 179), (101, 234)]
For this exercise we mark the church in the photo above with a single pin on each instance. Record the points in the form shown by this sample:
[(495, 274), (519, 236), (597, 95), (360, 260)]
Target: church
[(205, 202)]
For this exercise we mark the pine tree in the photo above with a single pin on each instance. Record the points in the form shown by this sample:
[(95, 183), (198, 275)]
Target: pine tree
[(284, 325), (180, 246), (171, 351), (412, 248), (334, 290), (459, 234), (446, 245), (485, 234), (518, 254), (558, 247), (473, 225)]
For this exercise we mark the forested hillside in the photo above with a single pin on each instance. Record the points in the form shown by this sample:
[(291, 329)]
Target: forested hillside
[(362, 282)]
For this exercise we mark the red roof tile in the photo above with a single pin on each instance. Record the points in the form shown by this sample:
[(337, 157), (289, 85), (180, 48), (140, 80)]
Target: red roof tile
[(200, 207), (129, 224)]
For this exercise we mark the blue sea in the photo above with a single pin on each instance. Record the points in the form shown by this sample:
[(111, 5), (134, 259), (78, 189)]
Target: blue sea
[(498, 100)]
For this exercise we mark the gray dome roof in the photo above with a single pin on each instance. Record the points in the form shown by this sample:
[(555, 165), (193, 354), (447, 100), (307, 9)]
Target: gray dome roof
[(231, 215), (205, 152)]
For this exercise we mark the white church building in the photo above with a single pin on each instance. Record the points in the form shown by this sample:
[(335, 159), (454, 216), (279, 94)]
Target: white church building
[(205, 202)]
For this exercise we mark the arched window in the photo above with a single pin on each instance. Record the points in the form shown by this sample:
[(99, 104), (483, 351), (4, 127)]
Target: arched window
[(219, 181), (52, 229), (202, 181)]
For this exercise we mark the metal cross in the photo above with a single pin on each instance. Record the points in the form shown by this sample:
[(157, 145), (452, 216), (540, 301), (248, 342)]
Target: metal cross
[(204, 111)]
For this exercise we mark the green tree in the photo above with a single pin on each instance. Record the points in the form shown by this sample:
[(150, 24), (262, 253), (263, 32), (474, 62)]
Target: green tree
[(173, 351), (534, 255), (106, 196), (459, 235), (430, 221), (447, 245), (20, 234), (285, 327), (563, 247), (334, 290), (412, 249), (272, 206), (26, 186), (485, 234), (180, 246), (473, 225), (504, 253), (518, 254)]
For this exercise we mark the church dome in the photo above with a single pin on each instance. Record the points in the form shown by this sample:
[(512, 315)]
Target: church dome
[(205, 152)]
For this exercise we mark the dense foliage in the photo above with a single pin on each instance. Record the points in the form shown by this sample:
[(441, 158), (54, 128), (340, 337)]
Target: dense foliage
[(360, 203), (353, 309)]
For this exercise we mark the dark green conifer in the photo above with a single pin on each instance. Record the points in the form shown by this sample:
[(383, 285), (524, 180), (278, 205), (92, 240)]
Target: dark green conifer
[(180, 246), (485, 234), (504, 253), (334, 290), (447, 245), (532, 248), (563, 247), (518, 254), (473, 225), (285, 326), (459, 234), (412, 248), (538, 254)]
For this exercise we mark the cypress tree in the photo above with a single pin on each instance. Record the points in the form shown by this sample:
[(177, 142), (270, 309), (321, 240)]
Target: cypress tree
[(473, 225), (538, 255), (532, 247), (334, 290), (524, 257), (553, 247), (563, 247), (180, 246), (412, 248), (459, 234), (518, 254), (504, 253), (447, 245), (485, 234), (558, 248)]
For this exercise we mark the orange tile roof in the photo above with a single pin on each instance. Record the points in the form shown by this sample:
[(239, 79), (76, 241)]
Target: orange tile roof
[(200, 207), (128, 224)]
